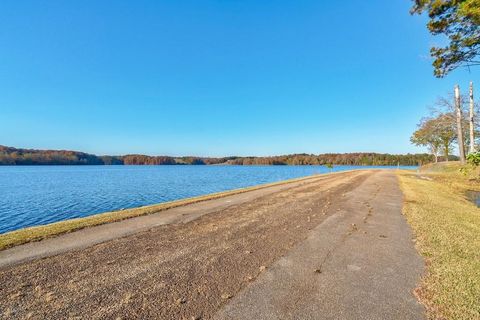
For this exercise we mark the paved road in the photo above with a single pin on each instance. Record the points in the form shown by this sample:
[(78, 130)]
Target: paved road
[(358, 264), (330, 248)]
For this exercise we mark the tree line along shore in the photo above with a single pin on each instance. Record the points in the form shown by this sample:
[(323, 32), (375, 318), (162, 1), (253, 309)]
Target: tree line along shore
[(15, 156)]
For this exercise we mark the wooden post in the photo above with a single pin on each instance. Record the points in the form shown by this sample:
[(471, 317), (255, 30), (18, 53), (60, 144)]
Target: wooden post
[(461, 145), (472, 128)]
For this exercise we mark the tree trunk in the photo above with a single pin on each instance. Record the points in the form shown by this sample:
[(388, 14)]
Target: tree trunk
[(461, 145), (434, 151), (472, 129)]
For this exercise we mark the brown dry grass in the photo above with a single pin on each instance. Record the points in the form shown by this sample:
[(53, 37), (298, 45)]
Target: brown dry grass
[(447, 227)]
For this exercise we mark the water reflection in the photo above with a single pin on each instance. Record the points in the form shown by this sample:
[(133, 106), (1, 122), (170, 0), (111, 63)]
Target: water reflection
[(474, 196)]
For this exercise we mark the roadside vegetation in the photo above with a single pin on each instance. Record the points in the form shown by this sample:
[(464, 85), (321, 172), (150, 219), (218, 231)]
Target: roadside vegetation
[(445, 221), (438, 131), (447, 229)]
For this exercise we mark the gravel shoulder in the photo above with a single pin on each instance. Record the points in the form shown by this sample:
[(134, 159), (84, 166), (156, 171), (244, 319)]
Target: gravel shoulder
[(209, 263)]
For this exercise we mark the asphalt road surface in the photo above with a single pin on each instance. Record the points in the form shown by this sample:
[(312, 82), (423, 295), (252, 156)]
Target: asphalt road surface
[(333, 247)]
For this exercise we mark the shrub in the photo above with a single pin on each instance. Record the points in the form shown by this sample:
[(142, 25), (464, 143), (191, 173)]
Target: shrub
[(474, 159)]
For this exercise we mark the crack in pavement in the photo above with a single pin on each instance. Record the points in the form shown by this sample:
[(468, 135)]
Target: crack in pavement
[(362, 275)]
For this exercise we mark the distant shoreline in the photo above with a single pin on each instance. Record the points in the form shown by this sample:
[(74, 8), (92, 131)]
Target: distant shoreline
[(10, 156)]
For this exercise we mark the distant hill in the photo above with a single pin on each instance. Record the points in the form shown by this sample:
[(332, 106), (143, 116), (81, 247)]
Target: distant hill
[(14, 156)]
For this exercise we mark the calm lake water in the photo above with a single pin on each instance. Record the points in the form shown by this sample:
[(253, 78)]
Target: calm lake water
[(35, 195)]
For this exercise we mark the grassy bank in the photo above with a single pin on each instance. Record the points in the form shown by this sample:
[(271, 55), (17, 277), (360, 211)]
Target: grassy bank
[(17, 237), (447, 227)]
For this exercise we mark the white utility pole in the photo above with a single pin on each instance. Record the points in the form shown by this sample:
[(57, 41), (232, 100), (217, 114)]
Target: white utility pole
[(472, 125), (461, 145)]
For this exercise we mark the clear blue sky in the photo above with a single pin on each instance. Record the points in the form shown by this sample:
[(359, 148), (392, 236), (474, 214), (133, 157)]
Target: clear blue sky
[(215, 78)]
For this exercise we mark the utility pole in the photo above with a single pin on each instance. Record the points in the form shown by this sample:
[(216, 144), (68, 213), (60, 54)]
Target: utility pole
[(472, 130), (461, 145)]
